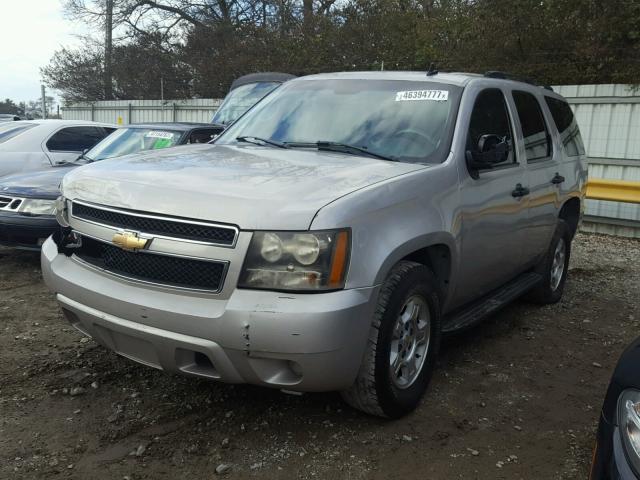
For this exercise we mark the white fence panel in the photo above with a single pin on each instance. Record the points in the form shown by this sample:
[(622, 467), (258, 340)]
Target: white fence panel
[(143, 111)]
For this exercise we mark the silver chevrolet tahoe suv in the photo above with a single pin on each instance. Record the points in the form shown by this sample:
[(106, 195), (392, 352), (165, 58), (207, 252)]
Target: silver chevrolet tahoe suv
[(330, 237)]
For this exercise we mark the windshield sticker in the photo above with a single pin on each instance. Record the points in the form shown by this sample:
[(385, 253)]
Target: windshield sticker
[(159, 134), (433, 95)]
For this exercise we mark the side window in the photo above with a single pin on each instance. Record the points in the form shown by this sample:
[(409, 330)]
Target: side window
[(566, 125), (203, 135), (490, 127), (534, 130), (76, 139)]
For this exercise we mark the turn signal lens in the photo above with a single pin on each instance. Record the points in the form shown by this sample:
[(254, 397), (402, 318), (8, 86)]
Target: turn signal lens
[(339, 263)]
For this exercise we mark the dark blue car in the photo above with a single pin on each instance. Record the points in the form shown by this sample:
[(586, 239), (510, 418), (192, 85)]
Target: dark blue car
[(617, 452), (27, 201)]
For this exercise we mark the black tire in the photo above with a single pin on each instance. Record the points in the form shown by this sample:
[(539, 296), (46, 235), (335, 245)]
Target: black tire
[(544, 293), (374, 391)]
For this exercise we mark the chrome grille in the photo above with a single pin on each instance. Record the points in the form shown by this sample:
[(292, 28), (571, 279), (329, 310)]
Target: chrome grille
[(170, 227), (153, 268), (9, 203)]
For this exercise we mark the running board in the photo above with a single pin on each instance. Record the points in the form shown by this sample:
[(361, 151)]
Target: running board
[(471, 315)]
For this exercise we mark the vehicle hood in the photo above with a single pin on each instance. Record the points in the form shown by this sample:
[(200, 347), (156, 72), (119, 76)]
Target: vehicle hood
[(40, 184), (249, 186)]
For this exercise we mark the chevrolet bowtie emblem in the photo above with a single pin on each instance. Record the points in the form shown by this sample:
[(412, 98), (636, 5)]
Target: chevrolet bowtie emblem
[(129, 241)]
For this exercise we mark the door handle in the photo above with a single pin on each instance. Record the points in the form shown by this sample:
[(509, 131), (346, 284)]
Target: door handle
[(557, 179), (520, 191)]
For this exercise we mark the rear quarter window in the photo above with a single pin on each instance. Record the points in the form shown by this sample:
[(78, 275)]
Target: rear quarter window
[(76, 139), (204, 135), (567, 126)]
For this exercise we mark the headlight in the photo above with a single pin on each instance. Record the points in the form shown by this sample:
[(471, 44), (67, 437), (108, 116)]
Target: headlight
[(629, 425), (62, 212), (296, 261), (36, 206)]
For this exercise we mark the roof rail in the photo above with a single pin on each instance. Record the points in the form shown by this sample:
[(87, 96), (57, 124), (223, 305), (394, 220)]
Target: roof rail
[(508, 76)]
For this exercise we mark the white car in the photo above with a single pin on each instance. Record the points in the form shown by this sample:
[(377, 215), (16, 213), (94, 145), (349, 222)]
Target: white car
[(36, 144)]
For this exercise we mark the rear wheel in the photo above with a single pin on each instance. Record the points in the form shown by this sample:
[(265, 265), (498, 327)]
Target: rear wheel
[(554, 267), (403, 344)]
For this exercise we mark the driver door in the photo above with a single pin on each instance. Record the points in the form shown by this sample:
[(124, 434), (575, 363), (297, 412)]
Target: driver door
[(493, 214)]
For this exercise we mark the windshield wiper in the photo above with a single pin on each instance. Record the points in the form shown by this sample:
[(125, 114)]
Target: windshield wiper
[(342, 148), (261, 141), (82, 156)]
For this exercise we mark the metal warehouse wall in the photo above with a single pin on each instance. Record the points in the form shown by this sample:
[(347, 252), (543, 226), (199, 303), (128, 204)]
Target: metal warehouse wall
[(140, 111), (609, 119)]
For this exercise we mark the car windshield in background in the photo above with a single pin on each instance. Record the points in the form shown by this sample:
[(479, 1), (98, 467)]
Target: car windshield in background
[(132, 140), (403, 120), (9, 130), (241, 99)]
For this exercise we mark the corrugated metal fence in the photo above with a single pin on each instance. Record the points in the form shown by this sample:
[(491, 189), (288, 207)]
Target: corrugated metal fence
[(608, 115), (141, 111), (609, 119)]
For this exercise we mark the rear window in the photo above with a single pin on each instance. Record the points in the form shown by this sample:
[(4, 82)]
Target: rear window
[(241, 99), (567, 127), (76, 139), (11, 130), (534, 130)]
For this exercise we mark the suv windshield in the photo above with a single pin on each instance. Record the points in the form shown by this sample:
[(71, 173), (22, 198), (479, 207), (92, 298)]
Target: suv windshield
[(410, 121), (241, 99), (132, 140)]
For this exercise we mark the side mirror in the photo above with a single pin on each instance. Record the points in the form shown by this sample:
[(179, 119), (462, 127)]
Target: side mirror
[(492, 150), (82, 154)]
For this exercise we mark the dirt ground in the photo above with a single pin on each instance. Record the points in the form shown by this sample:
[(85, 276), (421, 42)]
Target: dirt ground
[(517, 397)]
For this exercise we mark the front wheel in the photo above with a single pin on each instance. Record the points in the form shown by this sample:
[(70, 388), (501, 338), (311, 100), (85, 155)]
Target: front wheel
[(403, 344)]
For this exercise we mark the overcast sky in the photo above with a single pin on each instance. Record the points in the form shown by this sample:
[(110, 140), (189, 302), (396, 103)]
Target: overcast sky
[(30, 31)]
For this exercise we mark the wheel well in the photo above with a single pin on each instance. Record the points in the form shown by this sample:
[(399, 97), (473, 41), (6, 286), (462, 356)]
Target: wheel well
[(438, 259), (570, 213)]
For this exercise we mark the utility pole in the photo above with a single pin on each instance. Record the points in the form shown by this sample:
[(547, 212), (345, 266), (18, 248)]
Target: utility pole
[(108, 49), (44, 102)]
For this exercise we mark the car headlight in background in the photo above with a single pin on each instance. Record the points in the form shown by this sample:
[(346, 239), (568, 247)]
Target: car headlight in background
[(629, 426), (62, 212), (308, 261), (36, 206)]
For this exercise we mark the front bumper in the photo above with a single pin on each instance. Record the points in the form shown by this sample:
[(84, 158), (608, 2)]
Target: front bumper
[(300, 342), (25, 231), (609, 460), (620, 467)]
